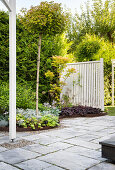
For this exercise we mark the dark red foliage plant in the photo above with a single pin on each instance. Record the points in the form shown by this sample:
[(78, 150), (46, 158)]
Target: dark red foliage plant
[(79, 110)]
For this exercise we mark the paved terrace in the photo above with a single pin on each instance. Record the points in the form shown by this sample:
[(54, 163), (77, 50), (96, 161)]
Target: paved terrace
[(73, 146)]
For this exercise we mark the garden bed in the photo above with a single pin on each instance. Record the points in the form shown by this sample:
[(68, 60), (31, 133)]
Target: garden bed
[(27, 120), (87, 115), (21, 129)]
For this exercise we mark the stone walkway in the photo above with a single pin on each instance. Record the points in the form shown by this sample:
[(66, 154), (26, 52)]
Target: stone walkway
[(73, 146)]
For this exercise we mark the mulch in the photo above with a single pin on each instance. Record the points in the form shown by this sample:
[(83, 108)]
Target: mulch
[(87, 115), (21, 129)]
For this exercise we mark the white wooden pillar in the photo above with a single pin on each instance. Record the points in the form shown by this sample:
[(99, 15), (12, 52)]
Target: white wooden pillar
[(113, 65), (11, 6), (12, 70)]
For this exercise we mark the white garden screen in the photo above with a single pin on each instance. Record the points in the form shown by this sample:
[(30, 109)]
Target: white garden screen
[(86, 86)]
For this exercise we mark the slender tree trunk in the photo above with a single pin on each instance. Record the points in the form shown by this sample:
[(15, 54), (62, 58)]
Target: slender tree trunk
[(38, 68)]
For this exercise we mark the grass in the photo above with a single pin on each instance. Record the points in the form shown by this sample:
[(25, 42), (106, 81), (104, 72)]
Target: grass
[(111, 110)]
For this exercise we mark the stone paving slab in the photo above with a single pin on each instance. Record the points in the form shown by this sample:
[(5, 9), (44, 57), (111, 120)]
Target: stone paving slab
[(42, 139), (87, 137), (69, 160), (48, 149), (17, 155), (4, 166), (53, 168), (32, 137), (66, 133), (105, 124), (76, 141), (86, 152), (33, 164), (4, 139), (2, 149), (103, 166)]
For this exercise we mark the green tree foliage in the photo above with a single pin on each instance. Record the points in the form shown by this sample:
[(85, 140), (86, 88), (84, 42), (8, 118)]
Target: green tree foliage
[(103, 15), (25, 97), (4, 45), (98, 19), (87, 48), (47, 18), (93, 47)]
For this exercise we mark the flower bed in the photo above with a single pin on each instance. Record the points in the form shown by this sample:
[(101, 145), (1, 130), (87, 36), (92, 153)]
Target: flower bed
[(27, 120)]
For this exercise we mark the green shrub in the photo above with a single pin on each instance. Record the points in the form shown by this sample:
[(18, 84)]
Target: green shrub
[(4, 97), (25, 122), (29, 120), (49, 121), (25, 97)]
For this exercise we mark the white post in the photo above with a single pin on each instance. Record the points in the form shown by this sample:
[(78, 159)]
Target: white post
[(113, 63), (101, 84), (12, 70)]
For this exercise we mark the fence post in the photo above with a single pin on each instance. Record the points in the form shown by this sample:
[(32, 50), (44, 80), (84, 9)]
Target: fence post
[(101, 84)]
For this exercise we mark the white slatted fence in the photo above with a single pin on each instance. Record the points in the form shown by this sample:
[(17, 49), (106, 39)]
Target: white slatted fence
[(86, 86)]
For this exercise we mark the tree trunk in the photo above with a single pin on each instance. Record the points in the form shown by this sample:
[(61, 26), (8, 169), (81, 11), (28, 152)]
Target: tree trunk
[(38, 68)]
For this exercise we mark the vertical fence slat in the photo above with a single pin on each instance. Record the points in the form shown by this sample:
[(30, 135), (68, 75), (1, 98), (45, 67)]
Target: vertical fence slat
[(96, 86), (82, 84), (92, 84), (80, 95), (85, 85), (89, 89), (79, 83), (94, 79), (87, 78)]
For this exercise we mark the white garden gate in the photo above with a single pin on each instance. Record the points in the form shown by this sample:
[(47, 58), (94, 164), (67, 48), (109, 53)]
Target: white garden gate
[(86, 86)]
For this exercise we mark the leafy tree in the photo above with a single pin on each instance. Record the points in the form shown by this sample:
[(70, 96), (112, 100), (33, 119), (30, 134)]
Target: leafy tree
[(47, 18), (97, 18)]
